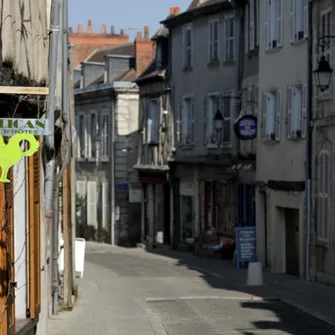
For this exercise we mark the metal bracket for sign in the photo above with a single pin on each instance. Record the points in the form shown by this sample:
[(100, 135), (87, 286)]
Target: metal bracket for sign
[(24, 90)]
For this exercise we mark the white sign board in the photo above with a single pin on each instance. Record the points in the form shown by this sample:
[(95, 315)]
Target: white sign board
[(10, 127)]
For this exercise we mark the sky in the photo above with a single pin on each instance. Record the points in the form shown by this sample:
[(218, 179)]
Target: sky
[(130, 15)]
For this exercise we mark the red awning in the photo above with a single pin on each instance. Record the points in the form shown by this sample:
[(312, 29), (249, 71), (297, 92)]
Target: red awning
[(153, 180)]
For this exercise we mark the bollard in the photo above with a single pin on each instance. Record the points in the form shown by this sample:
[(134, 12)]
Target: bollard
[(255, 274)]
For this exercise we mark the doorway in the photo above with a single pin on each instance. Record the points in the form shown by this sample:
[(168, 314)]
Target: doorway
[(292, 241)]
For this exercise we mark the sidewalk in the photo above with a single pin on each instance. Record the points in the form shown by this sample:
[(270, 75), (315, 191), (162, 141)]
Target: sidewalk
[(312, 298)]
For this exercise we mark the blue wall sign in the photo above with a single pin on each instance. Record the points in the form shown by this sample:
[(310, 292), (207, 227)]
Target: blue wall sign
[(245, 238), (122, 187), (246, 127)]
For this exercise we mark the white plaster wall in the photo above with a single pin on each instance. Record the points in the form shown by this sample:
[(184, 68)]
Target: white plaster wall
[(277, 201), (290, 69), (20, 238)]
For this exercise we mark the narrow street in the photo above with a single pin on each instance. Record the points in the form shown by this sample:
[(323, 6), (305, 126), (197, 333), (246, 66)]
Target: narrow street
[(124, 294)]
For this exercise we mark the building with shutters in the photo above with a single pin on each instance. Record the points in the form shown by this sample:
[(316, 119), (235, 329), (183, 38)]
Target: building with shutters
[(106, 112), (204, 73), (323, 140), (281, 144), (155, 143)]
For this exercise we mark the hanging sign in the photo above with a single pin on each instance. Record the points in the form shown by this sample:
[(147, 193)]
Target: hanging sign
[(18, 130), (10, 127), (246, 127)]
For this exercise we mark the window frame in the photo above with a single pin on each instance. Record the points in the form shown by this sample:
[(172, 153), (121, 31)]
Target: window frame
[(323, 194), (187, 49), (155, 125), (212, 41), (327, 12), (276, 98), (187, 122), (229, 50), (94, 130), (274, 24), (104, 137), (251, 25), (294, 20)]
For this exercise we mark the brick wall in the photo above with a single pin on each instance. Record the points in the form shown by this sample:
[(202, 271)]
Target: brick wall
[(84, 43), (144, 51)]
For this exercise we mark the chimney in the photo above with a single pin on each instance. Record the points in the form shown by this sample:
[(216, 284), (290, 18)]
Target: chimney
[(146, 32), (89, 27), (174, 10), (144, 53), (112, 30), (121, 32), (103, 29), (80, 28)]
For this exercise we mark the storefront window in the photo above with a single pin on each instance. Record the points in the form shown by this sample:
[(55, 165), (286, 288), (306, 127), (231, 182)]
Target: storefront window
[(187, 217)]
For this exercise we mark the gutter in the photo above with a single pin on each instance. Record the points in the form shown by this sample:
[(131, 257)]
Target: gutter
[(112, 171), (100, 87)]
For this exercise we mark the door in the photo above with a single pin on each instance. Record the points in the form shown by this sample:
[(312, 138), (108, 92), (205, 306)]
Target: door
[(292, 241), (167, 214), (210, 211)]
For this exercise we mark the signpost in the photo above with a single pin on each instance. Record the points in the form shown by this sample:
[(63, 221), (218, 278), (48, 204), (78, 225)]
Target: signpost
[(245, 245)]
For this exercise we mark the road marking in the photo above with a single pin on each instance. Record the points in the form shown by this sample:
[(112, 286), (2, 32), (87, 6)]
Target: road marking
[(210, 297)]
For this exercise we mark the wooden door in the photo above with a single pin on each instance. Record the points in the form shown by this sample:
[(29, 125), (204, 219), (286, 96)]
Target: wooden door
[(292, 241), (210, 211), (34, 236)]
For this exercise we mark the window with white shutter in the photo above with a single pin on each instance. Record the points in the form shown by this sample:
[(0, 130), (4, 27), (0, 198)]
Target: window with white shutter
[(274, 24), (213, 30), (296, 112), (298, 19), (229, 46), (251, 18), (105, 205), (187, 126), (77, 118), (81, 191), (104, 132), (323, 199), (91, 204), (188, 47), (326, 30), (226, 120), (272, 112), (153, 114), (82, 136), (87, 136), (94, 130), (212, 107)]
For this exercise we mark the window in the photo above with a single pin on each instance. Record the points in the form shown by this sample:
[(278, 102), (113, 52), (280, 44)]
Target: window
[(251, 18), (187, 47), (81, 136), (274, 24), (323, 194), (153, 113), (229, 27), (214, 102), (94, 132), (271, 120), (299, 20), (213, 40), (326, 30), (186, 121), (296, 119), (159, 56), (104, 147)]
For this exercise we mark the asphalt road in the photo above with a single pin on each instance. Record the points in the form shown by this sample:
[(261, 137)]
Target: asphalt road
[(126, 295)]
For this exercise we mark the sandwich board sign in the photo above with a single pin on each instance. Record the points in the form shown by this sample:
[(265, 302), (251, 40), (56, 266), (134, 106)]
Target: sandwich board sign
[(19, 130), (245, 238)]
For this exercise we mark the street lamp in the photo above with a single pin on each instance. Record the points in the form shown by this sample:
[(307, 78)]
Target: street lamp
[(323, 72), (218, 120)]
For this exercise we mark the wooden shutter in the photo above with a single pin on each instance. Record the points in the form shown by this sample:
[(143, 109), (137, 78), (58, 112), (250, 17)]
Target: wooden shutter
[(292, 20), (9, 196), (34, 235), (184, 47), (105, 205), (251, 25), (280, 8), (192, 120), (304, 106), (91, 203), (306, 19), (278, 109), (205, 120), (266, 34), (289, 102)]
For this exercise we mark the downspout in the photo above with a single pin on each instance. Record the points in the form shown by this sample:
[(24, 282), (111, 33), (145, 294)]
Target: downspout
[(112, 171), (308, 165), (50, 140)]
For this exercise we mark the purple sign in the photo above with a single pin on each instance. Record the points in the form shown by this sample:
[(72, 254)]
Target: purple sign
[(246, 127)]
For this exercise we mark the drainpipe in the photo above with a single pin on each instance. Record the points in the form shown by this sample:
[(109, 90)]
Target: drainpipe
[(112, 171), (308, 165), (50, 140)]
